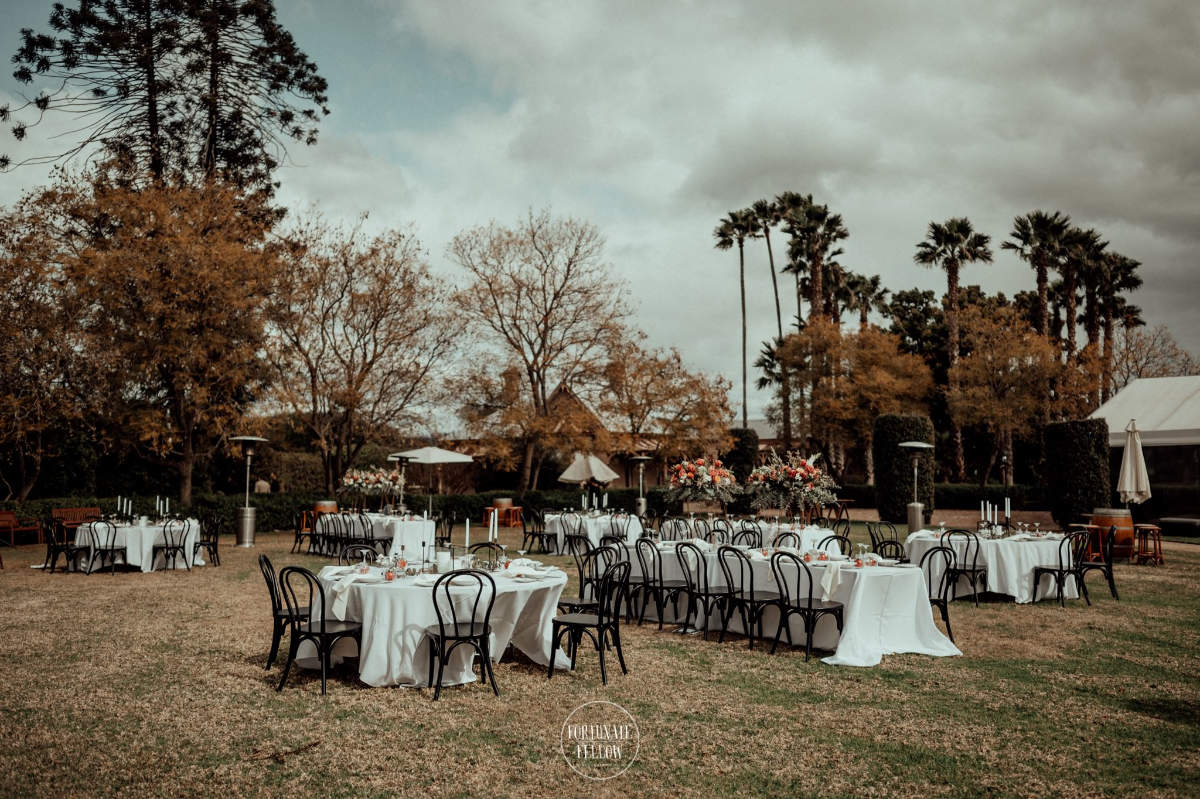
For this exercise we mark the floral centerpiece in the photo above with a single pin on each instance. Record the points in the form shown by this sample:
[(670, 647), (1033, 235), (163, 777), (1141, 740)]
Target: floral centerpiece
[(701, 480), (794, 484), (373, 482)]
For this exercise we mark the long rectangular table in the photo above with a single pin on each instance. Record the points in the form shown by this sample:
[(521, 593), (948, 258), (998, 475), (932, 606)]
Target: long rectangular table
[(887, 608), (139, 541), (1010, 563)]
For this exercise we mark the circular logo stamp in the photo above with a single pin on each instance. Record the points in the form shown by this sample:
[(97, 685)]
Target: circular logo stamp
[(600, 740)]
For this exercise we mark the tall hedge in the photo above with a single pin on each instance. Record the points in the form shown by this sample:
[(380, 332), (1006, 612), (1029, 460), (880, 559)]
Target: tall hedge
[(1078, 480), (893, 466), (742, 459)]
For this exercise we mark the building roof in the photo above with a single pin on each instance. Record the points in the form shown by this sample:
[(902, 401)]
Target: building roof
[(1167, 411)]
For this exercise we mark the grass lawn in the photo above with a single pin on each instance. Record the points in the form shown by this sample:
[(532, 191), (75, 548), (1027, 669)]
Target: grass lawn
[(153, 685)]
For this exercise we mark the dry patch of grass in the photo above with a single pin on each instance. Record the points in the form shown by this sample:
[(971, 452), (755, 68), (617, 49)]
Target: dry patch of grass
[(153, 685)]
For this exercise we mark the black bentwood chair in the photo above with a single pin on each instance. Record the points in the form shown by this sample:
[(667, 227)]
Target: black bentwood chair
[(279, 613), (966, 562), (103, 537), (786, 539), (750, 602), (653, 585), (60, 541), (353, 553), (174, 545), (456, 627), (1072, 551), (704, 599), (939, 587), (300, 588), (603, 626), (1105, 566), (208, 539), (844, 545), (592, 567), (795, 580)]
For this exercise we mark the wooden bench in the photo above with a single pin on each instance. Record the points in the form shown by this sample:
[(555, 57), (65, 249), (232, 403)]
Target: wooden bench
[(73, 517), (9, 523)]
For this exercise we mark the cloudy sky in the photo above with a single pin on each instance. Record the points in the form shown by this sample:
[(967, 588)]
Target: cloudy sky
[(653, 119)]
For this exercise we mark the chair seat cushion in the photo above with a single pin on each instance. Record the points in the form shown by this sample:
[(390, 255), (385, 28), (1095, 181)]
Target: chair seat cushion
[(757, 596), (283, 614), (817, 604), (466, 629)]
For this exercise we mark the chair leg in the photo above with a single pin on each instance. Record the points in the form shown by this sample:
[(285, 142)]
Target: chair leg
[(600, 649), (616, 638), (783, 618), (293, 645), (1112, 584), (442, 657), (555, 645), (276, 637)]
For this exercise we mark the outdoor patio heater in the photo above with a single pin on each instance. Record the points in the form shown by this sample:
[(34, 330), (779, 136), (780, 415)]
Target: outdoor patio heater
[(245, 525), (641, 460), (916, 510)]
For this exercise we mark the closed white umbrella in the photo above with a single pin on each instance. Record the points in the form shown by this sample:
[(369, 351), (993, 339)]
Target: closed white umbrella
[(587, 467), (1133, 485)]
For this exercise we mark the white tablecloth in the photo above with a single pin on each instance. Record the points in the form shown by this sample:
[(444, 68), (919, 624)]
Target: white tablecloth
[(1009, 561), (886, 610), (594, 527), (139, 541), (394, 617)]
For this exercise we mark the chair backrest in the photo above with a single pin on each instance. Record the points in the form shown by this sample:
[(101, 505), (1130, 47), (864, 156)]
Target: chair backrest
[(592, 566), (617, 541), (571, 522), (840, 526), (694, 567), (750, 524), (889, 549), (102, 534), (75, 516), (786, 539), (303, 594), (1072, 550), (719, 536), (175, 532), (491, 550), (747, 538), (700, 528), (649, 560), (364, 527), (945, 556), (268, 573), (737, 569), (610, 587), (968, 556), (724, 525), (353, 553), (56, 532), (674, 530), (793, 577), (618, 524), (843, 543), (881, 531), (1107, 547), (472, 589)]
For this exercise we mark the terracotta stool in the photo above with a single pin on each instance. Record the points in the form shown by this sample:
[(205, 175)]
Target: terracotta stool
[(1149, 544)]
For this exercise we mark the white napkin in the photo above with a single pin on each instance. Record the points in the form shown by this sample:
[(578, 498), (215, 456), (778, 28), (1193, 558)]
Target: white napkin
[(702, 544), (524, 564), (341, 594), (831, 579)]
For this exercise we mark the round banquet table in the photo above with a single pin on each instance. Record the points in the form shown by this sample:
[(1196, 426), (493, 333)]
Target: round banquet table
[(595, 527), (1010, 562), (407, 531), (886, 608), (139, 541), (395, 650)]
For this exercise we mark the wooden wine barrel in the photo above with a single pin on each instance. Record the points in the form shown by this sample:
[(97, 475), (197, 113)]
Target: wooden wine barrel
[(325, 506), (502, 502), (1105, 518)]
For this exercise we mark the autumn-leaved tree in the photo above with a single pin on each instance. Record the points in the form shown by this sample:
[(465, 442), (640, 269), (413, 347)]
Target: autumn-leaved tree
[(664, 409), (1149, 352), (170, 284), (1004, 381), (359, 330), (548, 310), (41, 364)]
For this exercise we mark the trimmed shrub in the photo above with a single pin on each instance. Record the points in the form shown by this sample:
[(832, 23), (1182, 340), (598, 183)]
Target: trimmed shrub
[(893, 466), (1080, 481)]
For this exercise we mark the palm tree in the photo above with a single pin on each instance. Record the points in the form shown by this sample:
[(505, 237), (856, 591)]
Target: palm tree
[(1120, 275), (952, 245), (737, 226), (790, 204), (814, 233), (866, 294), (768, 215), (1084, 248), (1037, 238)]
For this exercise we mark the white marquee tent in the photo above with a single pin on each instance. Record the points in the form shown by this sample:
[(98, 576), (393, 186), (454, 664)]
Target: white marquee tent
[(1167, 410)]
